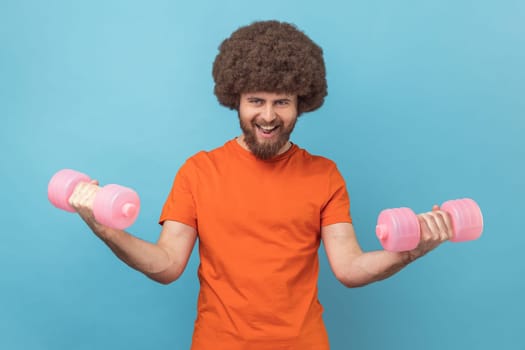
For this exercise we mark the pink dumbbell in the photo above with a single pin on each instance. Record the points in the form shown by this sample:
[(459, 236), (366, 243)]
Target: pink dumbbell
[(114, 206), (398, 229)]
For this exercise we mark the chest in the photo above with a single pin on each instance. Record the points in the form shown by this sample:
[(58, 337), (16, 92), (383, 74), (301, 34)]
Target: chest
[(261, 204)]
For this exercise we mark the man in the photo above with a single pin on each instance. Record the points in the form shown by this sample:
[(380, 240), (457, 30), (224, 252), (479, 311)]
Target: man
[(260, 206)]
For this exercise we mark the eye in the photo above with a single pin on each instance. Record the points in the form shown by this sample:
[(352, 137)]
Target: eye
[(255, 101), (284, 102)]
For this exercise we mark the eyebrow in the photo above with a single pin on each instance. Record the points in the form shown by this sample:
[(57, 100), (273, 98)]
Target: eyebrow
[(263, 99)]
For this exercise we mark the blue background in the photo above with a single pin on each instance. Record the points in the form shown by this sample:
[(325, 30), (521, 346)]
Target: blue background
[(426, 103)]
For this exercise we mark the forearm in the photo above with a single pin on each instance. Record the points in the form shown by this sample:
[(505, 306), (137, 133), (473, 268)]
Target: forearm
[(370, 267), (163, 261), (354, 268), (143, 256)]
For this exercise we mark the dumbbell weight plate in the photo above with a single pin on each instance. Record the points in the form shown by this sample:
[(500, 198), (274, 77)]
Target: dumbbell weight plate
[(467, 220), (116, 206), (398, 229), (61, 187)]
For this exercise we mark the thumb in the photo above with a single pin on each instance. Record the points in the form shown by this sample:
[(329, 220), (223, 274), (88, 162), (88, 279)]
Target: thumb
[(435, 207)]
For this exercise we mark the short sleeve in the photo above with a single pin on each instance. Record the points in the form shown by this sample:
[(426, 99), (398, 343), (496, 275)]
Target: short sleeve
[(337, 206), (180, 204)]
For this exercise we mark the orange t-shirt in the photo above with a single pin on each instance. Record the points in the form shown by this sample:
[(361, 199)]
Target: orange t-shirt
[(259, 226)]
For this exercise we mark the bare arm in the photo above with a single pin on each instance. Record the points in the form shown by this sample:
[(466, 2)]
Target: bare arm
[(163, 261), (355, 268)]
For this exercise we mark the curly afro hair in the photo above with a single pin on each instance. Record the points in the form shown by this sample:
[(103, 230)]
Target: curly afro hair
[(270, 56)]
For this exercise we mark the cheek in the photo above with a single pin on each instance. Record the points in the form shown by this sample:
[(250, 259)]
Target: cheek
[(289, 118), (244, 116)]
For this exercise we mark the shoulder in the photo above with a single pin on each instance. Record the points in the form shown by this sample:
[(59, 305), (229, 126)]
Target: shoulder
[(314, 161), (206, 158)]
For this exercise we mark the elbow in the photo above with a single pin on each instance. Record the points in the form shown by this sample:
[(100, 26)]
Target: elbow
[(164, 282), (347, 280), (166, 272), (165, 277), (162, 279), (350, 279), (351, 283)]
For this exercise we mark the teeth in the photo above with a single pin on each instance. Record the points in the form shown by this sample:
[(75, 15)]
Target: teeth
[(267, 128)]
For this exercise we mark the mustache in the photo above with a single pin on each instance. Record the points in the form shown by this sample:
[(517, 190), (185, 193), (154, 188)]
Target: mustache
[(267, 125)]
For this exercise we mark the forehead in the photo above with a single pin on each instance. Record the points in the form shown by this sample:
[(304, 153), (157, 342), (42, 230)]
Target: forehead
[(268, 95)]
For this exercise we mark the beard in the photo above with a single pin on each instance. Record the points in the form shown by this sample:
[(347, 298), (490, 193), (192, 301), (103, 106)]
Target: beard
[(266, 149)]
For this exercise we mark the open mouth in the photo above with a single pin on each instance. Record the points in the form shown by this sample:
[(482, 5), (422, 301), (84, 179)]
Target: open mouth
[(267, 131)]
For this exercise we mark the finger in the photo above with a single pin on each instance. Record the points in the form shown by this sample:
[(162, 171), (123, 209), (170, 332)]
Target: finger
[(442, 231), (81, 191), (435, 207), (88, 195), (428, 227), (447, 223), (83, 195), (76, 195)]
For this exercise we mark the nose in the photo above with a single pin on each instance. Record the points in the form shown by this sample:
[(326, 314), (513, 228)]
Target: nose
[(268, 114)]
